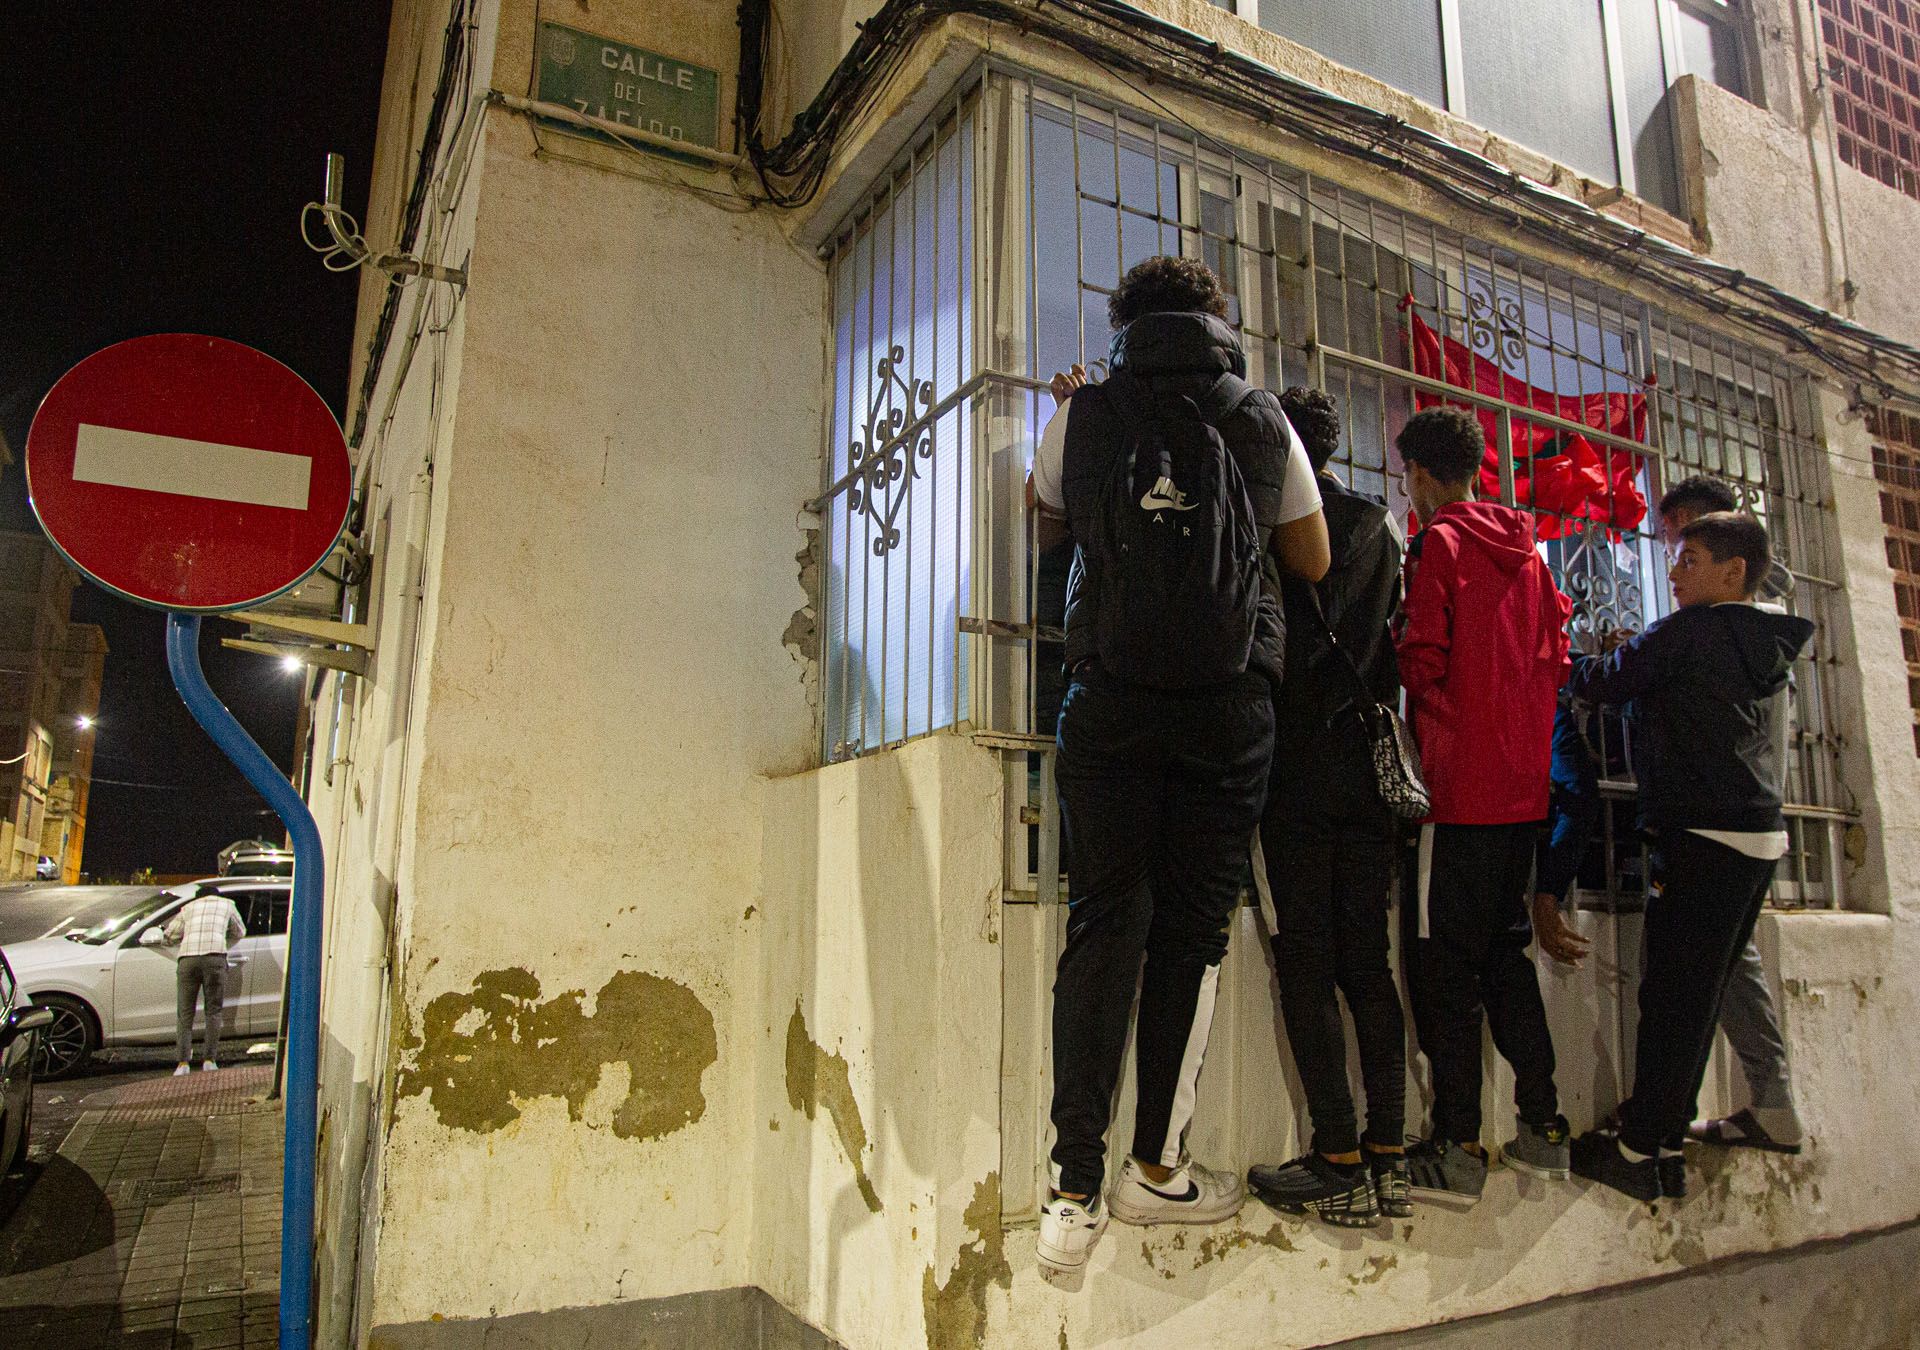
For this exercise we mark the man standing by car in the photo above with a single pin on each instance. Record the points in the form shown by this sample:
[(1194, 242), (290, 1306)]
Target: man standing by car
[(203, 929)]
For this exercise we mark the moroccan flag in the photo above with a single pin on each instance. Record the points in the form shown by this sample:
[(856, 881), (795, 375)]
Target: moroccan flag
[(1562, 478)]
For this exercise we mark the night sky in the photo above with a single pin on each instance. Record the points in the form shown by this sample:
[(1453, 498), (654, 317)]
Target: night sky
[(151, 178)]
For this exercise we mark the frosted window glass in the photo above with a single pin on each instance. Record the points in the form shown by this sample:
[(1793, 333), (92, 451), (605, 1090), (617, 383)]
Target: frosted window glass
[(1537, 74), (1651, 127), (1395, 41)]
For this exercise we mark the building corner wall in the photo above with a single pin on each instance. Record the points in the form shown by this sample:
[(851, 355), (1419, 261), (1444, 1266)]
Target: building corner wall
[(603, 688)]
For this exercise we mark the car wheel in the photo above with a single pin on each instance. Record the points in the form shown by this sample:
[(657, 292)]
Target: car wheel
[(69, 1042)]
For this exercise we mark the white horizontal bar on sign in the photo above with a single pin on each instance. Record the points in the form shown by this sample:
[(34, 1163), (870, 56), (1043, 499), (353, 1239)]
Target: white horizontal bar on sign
[(189, 468)]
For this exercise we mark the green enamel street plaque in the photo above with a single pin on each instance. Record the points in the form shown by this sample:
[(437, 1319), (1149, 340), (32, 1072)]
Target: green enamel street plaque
[(629, 85)]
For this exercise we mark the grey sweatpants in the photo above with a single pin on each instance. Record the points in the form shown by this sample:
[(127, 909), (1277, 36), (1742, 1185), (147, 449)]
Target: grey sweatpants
[(195, 977), (1752, 1025)]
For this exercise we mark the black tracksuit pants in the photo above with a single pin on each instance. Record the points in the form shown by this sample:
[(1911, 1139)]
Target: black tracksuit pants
[(1466, 933), (1704, 901), (1159, 796), (1328, 843)]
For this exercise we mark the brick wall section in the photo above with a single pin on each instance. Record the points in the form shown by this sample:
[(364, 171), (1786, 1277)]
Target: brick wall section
[(1873, 52), (1896, 463)]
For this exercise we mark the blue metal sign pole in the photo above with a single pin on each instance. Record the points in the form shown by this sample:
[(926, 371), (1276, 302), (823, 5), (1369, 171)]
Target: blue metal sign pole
[(303, 972)]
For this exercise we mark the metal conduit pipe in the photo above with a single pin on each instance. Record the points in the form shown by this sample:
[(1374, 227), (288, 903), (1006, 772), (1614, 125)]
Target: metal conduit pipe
[(302, 1015)]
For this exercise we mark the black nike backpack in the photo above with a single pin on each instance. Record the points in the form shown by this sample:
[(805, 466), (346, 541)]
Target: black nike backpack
[(1178, 582)]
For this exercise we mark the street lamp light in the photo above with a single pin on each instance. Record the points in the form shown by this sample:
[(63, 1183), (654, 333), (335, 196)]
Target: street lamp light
[(291, 664), (84, 722)]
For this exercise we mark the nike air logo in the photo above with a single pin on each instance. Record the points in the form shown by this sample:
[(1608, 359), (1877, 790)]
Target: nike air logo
[(1193, 1190), (1164, 495)]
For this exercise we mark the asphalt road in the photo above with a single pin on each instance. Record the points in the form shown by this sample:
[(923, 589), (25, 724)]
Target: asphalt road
[(29, 911)]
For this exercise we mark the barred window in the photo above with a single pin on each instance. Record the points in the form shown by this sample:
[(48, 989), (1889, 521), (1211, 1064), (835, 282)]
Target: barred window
[(1593, 401)]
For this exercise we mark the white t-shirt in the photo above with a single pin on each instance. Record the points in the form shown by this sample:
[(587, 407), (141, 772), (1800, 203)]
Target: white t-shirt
[(1299, 494)]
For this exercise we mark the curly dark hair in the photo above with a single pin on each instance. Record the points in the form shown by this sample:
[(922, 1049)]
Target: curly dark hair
[(1163, 284), (1733, 534), (1315, 414), (1700, 494), (1447, 442)]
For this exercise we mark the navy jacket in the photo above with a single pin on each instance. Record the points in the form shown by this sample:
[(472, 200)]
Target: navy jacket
[(1574, 815), (1700, 681)]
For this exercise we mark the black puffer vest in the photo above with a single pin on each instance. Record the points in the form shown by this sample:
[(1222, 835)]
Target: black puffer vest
[(1180, 355)]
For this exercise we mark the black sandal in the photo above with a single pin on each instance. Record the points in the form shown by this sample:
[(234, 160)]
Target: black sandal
[(1739, 1130)]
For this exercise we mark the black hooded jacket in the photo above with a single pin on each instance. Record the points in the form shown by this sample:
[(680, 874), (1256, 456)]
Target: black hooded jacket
[(1700, 681), (1360, 598), (1180, 355)]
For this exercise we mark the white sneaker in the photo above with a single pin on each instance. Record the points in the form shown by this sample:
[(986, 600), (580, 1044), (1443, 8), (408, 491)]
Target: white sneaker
[(1193, 1194), (1068, 1231), (183, 1069), (209, 1066)]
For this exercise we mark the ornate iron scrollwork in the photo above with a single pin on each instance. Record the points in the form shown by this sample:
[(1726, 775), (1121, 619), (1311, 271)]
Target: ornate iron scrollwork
[(880, 459), (1496, 325), (1603, 582)]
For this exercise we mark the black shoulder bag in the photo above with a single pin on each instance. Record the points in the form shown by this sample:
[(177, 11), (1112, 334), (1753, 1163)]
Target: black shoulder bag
[(1390, 745)]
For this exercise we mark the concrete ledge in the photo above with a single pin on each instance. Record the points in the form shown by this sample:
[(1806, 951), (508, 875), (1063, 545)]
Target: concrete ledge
[(1849, 1291), (748, 1318)]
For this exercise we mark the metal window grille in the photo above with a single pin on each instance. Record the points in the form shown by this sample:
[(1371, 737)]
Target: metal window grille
[(1873, 57), (1896, 463), (1055, 194)]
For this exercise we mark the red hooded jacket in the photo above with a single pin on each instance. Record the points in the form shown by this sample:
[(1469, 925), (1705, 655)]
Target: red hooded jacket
[(1482, 655)]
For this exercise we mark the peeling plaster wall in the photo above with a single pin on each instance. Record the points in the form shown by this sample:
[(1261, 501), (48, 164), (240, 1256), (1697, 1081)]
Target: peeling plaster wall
[(367, 737), (602, 686), (880, 1038)]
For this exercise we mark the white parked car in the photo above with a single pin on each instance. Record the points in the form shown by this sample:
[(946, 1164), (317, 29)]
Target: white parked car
[(113, 984)]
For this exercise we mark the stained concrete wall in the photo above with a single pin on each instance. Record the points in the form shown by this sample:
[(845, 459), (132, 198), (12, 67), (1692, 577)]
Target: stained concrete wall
[(877, 1149), (605, 688), (368, 731)]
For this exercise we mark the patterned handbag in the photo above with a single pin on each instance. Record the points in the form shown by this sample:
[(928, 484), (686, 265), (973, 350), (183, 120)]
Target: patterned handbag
[(1390, 744)]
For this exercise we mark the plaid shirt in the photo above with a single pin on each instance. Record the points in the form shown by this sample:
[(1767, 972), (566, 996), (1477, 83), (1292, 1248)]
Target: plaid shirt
[(205, 926)]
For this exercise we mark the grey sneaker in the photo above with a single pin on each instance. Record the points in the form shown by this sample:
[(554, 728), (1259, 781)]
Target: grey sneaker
[(1540, 1149), (1439, 1169)]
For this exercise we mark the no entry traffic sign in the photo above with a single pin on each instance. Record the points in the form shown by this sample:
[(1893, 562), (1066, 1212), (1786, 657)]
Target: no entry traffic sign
[(188, 472)]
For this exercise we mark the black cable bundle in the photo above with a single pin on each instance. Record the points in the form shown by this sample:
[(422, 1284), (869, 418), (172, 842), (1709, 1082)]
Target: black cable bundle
[(1130, 43)]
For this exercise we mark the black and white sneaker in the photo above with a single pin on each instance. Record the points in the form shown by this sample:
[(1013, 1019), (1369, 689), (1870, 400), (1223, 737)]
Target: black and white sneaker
[(1312, 1185), (1392, 1184), (1193, 1194), (1440, 1169)]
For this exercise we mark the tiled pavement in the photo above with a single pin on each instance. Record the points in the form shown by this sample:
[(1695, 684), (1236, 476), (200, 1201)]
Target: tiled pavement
[(156, 1225)]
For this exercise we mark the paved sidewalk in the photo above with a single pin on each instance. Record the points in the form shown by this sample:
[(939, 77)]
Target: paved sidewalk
[(156, 1225)]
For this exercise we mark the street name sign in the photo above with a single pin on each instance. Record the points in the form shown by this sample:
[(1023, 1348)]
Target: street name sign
[(188, 473), (618, 82)]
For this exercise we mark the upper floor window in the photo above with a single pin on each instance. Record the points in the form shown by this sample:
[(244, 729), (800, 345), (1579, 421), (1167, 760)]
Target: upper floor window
[(1583, 81)]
